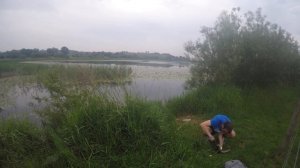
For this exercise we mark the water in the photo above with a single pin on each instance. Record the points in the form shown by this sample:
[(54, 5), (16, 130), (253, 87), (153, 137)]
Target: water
[(159, 83), (23, 101), (156, 89)]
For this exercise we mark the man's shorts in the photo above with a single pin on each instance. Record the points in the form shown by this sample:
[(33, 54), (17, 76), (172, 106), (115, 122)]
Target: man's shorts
[(213, 132)]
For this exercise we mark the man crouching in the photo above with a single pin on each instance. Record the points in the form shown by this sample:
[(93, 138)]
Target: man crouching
[(220, 125)]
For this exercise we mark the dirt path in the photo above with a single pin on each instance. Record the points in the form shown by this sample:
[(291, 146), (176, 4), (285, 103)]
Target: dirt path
[(189, 119)]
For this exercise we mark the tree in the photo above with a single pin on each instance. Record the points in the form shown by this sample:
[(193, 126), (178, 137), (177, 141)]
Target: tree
[(52, 52), (245, 51), (65, 51), (270, 54)]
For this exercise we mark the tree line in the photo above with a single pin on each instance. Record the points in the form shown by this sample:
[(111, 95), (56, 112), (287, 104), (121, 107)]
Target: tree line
[(36, 53), (244, 50), (64, 52)]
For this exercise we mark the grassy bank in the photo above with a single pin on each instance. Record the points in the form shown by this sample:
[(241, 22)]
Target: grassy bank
[(85, 129)]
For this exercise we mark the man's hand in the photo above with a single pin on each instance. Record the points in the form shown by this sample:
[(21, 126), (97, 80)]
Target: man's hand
[(220, 148)]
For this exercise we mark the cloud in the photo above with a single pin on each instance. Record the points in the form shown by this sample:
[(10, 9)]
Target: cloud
[(30, 5), (117, 25)]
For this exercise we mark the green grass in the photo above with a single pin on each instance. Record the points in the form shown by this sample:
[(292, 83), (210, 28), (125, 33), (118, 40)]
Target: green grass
[(22, 144), (97, 132), (260, 116), (207, 100), (82, 128)]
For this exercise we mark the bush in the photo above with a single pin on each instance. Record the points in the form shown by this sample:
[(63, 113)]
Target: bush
[(245, 51)]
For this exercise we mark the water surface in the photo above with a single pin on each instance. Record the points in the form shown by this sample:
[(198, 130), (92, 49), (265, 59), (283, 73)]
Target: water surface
[(161, 82)]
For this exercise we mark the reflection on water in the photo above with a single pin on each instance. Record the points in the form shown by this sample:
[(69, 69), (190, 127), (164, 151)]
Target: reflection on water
[(156, 89), (24, 101), (148, 82), (146, 89)]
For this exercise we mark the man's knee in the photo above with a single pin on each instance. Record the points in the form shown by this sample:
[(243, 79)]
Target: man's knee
[(202, 125)]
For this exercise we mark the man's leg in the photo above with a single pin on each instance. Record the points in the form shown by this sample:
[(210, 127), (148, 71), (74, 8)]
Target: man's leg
[(205, 126)]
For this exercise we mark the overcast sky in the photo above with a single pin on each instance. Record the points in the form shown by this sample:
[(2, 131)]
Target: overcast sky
[(125, 25)]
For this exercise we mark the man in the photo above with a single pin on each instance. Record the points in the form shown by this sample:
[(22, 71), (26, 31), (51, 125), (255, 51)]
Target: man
[(220, 125)]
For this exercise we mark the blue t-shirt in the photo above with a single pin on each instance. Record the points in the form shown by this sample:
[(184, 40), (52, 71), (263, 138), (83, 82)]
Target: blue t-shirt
[(217, 121)]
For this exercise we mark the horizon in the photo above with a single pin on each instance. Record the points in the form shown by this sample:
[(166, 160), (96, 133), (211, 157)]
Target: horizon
[(59, 48)]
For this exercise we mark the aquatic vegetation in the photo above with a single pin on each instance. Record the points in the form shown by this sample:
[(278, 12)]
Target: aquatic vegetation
[(85, 75)]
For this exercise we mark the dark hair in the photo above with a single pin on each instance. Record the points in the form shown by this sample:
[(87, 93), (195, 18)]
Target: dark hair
[(228, 126)]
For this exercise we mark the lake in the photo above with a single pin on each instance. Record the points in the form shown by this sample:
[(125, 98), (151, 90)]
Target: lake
[(151, 80)]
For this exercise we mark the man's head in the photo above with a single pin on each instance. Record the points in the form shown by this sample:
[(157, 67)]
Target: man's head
[(227, 128)]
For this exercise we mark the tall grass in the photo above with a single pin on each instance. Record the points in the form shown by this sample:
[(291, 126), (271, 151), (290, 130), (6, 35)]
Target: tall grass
[(22, 144), (207, 100), (15, 67), (69, 74), (92, 131), (85, 75)]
